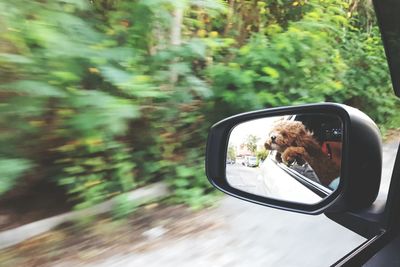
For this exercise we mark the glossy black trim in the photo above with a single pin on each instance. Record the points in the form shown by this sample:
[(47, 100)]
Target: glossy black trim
[(387, 256), (363, 253), (392, 209)]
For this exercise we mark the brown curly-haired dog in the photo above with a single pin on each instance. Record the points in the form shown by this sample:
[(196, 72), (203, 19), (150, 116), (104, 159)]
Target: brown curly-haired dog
[(294, 143)]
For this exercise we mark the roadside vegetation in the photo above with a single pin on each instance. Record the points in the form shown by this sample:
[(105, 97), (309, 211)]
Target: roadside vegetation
[(101, 97)]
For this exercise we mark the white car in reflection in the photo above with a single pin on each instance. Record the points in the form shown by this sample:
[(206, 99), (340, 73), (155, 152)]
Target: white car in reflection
[(294, 183), (251, 161)]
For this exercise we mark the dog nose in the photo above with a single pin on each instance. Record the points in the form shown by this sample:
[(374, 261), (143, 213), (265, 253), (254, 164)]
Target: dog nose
[(273, 137)]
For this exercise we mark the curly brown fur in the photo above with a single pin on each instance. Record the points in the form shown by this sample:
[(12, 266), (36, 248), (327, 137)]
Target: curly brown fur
[(294, 143)]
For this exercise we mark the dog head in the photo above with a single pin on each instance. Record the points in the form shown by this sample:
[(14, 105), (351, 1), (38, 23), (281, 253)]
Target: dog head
[(285, 134)]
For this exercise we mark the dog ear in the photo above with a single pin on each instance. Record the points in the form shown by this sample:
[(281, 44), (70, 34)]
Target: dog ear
[(301, 134)]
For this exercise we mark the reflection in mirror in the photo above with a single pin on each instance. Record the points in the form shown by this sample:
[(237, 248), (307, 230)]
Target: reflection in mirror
[(294, 158)]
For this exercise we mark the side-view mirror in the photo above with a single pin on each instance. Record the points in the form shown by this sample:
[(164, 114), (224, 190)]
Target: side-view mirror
[(309, 159)]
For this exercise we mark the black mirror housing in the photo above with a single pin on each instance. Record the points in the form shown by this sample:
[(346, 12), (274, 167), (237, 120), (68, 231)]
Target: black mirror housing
[(360, 168)]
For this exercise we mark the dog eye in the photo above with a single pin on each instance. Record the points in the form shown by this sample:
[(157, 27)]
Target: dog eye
[(284, 134)]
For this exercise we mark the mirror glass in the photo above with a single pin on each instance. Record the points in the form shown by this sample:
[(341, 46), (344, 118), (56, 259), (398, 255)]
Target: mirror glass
[(294, 158)]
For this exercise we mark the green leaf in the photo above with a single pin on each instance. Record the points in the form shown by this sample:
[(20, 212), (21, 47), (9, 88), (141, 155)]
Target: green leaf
[(81, 4), (116, 76), (11, 169), (14, 58), (33, 88), (273, 73)]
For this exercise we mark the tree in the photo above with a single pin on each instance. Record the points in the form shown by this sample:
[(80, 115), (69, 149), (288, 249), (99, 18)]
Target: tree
[(251, 143), (231, 152), (262, 154)]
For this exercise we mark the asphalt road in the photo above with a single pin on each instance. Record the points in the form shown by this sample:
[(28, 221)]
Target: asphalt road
[(252, 235)]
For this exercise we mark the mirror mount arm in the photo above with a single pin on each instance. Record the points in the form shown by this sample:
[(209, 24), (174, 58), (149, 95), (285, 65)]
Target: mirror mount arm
[(379, 215), (367, 222)]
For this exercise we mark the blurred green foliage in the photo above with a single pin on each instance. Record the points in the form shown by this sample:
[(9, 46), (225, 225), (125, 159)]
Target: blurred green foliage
[(262, 154), (231, 153), (123, 206), (105, 96), (11, 169)]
